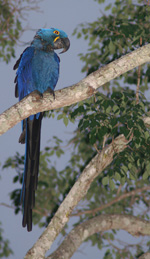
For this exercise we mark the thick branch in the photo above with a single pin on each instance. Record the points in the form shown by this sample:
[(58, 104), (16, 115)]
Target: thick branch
[(75, 238), (78, 191), (70, 95), (145, 256)]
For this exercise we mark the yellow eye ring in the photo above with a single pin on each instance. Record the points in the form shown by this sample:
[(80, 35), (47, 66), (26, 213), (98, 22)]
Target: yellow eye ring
[(56, 32)]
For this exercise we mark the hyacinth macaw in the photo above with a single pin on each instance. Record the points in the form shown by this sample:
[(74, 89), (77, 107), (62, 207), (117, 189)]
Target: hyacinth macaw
[(37, 69)]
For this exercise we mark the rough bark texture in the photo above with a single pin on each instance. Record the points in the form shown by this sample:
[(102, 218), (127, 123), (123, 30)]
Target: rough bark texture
[(77, 236), (145, 256), (73, 94), (78, 191)]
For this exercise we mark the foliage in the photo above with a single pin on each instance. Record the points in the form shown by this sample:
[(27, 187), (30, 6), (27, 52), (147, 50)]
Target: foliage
[(130, 169), (5, 250), (11, 14), (113, 35), (101, 119)]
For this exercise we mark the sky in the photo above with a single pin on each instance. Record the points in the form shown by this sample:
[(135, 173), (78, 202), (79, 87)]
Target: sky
[(65, 15)]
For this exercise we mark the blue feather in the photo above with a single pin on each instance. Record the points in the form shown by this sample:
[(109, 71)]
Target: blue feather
[(38, 69)]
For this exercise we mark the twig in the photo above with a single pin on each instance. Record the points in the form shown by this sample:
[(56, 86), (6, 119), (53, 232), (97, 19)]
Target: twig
[(138, 78), (115, 200)]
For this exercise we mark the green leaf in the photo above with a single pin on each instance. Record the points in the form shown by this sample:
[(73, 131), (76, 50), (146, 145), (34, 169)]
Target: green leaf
[(117, 176), (16, 178), (123, 180), (116, 108), (137, 133), (65, 120), (60, 116), (148, 243), (132, 176), (108, 109), (111, 236), (112, 47), (111, 184), (147, 135), (145, 175), (124, 168), (53, 115), (108, 7), (129, 165), (105, 180), (148, 168), (102, 131)]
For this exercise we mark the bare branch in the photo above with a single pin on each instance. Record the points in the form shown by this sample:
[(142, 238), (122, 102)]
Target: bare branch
[(73, 94), (136, 227), (78, 191), (138, 78), (113, 201), (7, 205), (138, 84)]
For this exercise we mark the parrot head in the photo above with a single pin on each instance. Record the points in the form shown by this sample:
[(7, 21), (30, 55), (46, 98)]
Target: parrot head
[(54, 38)]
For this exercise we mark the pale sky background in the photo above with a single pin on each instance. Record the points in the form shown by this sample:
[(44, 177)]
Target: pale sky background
[(65, 15)]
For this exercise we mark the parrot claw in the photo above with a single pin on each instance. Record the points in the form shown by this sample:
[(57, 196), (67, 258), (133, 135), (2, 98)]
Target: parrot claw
[(49, 90), (37, 94)]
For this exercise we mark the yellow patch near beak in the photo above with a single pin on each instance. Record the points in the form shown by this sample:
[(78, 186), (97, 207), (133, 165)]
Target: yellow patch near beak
[(56, 38)]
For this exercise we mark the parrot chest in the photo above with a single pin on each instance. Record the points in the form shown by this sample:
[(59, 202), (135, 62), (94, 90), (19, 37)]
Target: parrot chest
[(45, 70)]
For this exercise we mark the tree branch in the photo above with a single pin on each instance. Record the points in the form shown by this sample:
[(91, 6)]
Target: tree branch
[(78, 191), (145, 256), (32, 104), (115, 200), (75, 238)]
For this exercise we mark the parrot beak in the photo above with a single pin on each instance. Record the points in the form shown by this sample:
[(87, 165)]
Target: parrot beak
[(62, 43)]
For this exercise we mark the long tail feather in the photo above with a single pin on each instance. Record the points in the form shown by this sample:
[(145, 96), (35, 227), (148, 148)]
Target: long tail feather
[(31, 132)]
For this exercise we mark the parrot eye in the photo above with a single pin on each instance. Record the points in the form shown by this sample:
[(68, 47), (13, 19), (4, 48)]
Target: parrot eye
[(56, 32)]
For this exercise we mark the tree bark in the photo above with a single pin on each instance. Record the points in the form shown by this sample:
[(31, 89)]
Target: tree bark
[(79, 234), (145, 256), (32, 103)]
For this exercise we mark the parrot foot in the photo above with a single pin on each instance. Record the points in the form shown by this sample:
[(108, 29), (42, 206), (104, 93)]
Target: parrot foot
[(49, 90), (37, 94)]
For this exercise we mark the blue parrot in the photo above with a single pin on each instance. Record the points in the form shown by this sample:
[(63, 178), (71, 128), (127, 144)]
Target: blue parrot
[(37, 69)]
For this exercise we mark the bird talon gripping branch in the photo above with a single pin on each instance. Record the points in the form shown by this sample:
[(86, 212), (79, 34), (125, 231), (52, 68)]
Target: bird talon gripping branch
[(50, 91)]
